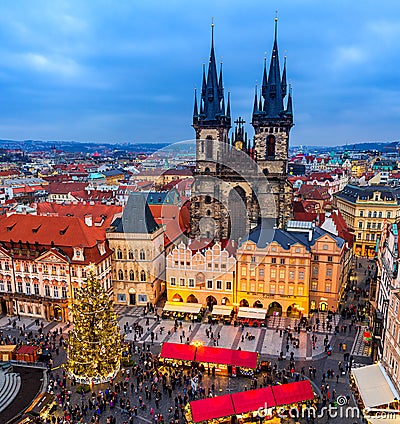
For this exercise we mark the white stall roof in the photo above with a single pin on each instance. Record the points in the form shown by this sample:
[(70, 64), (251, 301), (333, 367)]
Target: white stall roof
[(374, 386), (191, 308), (222, 310), (253, 313)]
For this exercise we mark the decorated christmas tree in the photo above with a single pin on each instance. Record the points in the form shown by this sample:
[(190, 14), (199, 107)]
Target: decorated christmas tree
[(95, 344)]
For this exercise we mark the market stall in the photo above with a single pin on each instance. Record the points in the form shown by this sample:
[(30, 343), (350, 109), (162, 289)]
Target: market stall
[(252, 317), (249, 405), (373, 386), (27, 353), (7, 352), (233, 362), (222, 314), (183, 311)]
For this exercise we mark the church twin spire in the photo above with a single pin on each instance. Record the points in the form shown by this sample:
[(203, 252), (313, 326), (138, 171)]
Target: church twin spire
[(212, 100)]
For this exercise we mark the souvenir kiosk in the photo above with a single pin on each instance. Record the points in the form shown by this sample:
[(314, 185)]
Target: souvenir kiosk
[(183, 311), (221, 314), (252, 317)]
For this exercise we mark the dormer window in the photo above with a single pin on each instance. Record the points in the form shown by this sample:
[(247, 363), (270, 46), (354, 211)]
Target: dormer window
[(78, 254)]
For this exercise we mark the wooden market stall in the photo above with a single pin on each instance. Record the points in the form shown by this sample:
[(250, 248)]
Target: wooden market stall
[(252, 317), (183, 311), (7, 352), (222, 314), (27, 353)]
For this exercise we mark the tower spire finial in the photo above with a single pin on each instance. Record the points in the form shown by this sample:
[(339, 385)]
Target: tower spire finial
[(212, 31)]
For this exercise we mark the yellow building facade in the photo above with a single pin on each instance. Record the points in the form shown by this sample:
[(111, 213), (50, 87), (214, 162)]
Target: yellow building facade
[(365, 210)]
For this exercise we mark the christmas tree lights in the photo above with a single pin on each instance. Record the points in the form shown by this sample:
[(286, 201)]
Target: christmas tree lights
[(94, 348)]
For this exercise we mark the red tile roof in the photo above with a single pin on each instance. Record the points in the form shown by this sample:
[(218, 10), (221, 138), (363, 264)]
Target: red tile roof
[(65, 188)]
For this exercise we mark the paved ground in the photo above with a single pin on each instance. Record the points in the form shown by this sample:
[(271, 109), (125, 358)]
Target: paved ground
[(267, 341)]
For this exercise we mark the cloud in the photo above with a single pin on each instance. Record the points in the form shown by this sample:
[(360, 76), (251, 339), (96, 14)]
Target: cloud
[(62, 66)]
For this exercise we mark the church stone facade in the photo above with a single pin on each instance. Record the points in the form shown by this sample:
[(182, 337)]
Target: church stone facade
[(240, 183)]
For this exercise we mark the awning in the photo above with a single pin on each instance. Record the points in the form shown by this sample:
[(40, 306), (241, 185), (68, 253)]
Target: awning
[(219, 355), (210, 408), (374, 386), (191, 308), (222, 310), (178, 351), (287, 394), (252, 400), (252, 313)]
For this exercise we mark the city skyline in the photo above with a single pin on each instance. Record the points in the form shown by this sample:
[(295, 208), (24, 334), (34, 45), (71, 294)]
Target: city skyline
[(126, 73)]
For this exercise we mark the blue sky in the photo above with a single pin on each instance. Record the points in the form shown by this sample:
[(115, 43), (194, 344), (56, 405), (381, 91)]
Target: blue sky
[(119, 71)]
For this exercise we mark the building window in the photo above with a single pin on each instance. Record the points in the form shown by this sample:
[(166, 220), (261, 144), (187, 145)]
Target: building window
[(173, 281), (379, 225), (374, 214), (6, 266), (282, 274), (380, 214), (253, 259), (36, 289), (191, 282), (330, 258), (361, 214), (328, 287), (388, 215), (368, 225), (228, 285), (315, 271), (316, 258), (120, 275), (142, 276), (53, 270), (360, 225), (45, 269), (273, 273), (291, 290), (182, 282), (325, 247), (281, 289), (219, 285), (273, 260), (130, 254), (367, 237), (359, 236), (64, 292), (121, 297), (272, 288), (282, 261), (9, 288), (373, 225), (131, 275), (34, 268), (119, 254), (83, 273), (244, 271), (142, 255), (2, 286), (329, 272), (261, 272), (56, 292), (291, 275), (28, 288), (209, 284), (19, 287), (301, 275), (142, 298), (300, 290), (372, 237), (314, 285), (297, 250), (75, 292), (369, 214), (47, 290)]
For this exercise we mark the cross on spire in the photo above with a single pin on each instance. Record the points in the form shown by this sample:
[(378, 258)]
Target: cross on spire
[(240, 121)]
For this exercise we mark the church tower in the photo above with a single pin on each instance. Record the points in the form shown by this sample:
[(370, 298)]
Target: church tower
[(212, 122), (272, 123)]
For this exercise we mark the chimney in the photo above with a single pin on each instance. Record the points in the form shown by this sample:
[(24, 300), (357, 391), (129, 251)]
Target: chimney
[(89, 220)]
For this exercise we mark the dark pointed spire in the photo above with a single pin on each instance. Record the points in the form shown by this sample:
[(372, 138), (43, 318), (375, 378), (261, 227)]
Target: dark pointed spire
[(255, 106), (220, 84), (283, 81), (265, 79), (228, 107), (289, 108), (195, 110), (260, 105), (203, 87)]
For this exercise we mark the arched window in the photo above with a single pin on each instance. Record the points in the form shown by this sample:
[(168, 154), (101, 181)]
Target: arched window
[(209, 147), (131, 275), (142, 255), (270, 145), (208, 200), (119, 254), (130, 254), (120, 275), (142, 276)]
